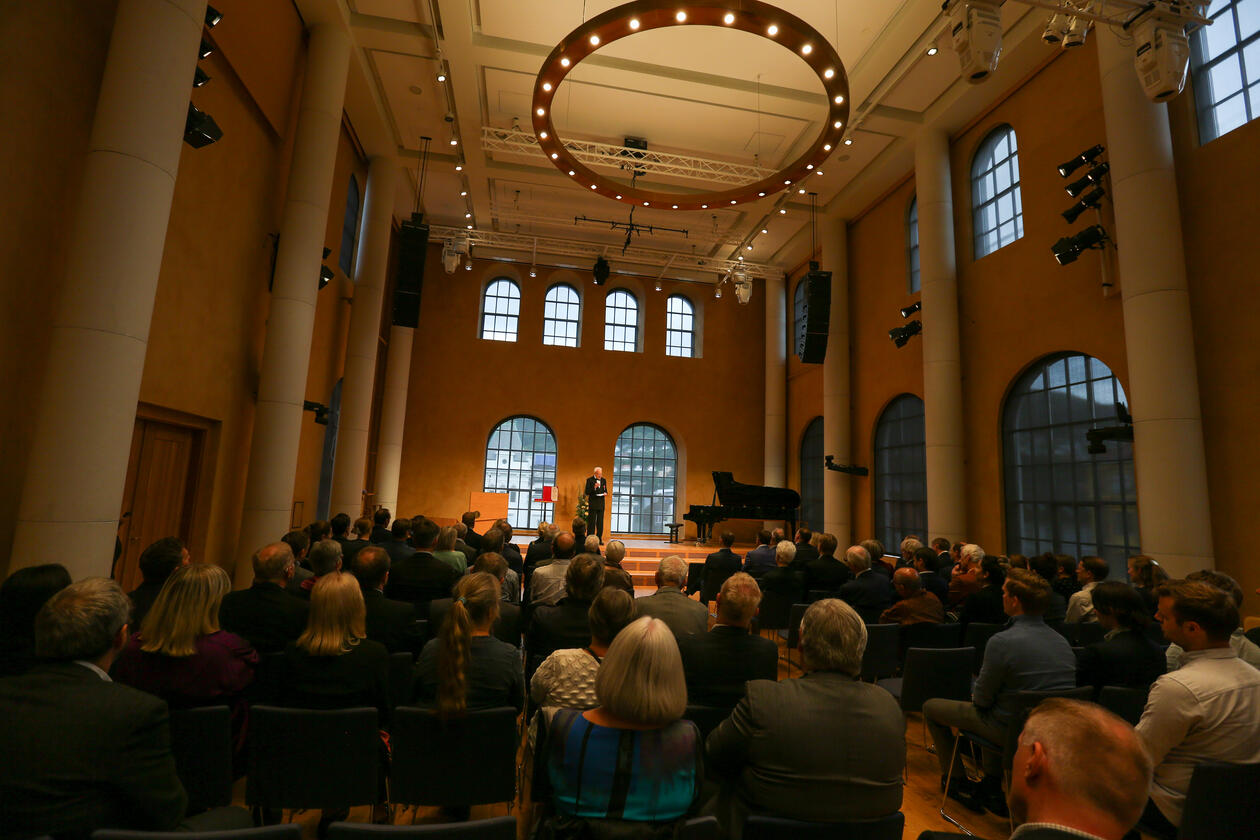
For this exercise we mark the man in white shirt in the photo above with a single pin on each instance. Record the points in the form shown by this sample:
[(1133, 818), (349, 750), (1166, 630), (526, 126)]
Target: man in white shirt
[(1208, 709), (1089, 572)]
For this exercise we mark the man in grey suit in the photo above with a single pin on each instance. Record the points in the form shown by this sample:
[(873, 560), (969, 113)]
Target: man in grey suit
[(670, 605), (824, 747)]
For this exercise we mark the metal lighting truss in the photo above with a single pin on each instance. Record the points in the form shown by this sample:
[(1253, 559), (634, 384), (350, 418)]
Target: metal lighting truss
[(644, 258), (645, 161), (1122, 12)]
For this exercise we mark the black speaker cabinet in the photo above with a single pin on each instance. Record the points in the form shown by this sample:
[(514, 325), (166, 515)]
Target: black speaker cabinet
[(413, 247), (811, 344)]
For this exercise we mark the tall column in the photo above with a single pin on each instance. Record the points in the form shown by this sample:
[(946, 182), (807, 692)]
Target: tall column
[(775, 472), (942, 368), (287, 350), (86, 409), (837, 440), (393, 415), (365, 330), (1172, 485)]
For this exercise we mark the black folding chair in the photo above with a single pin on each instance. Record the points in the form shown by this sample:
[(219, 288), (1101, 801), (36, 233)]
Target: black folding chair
[(1221, 801), (890, 827), (201, 741), (1124, 702), (695, 577), (792, 633), (458, 762), (879, 660), (313, 759), (930, 673), (287, 831), (977, 636), (401, 678), (496, 828), (930, 634)]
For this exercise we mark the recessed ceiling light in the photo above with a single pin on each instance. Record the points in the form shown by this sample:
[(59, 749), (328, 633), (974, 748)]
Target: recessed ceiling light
[(932, 50), (634, 23), (809, 166), (732, 201), (839, 100), (787, 183), (827, 147), (570, 173), (468, 226), (468, 215), (542, 135), (704, 207), (554, 155), (592, 186), (848, 141), (547, 86), (441, 77), (828, 73), (680, 17), (675, 207), (619, 198), (728, 18), (782, 212), (540, 111), (807, 49), (772, 30), (454, 141), (761, 195), (818, 172), (647, 204), (837, 124), (763, 230), (801, 191), (463, 193), (564, 62), (594, 40), (747, 247), (459, 167)]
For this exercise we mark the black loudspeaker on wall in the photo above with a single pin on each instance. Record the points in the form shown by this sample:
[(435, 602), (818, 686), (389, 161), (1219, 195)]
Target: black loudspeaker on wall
[(413, 247), (811, 343)]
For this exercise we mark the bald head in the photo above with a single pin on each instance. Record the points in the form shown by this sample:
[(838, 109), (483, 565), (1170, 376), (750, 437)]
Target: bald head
[(274, 563), (906, 580), (562, 547)]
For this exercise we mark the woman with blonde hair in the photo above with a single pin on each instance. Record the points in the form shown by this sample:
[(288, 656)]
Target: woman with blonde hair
[(631, 757), (180, 654), (445, 550), (466, 668)]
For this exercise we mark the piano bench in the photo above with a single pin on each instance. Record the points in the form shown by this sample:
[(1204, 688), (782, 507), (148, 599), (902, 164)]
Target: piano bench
[(674, 528)]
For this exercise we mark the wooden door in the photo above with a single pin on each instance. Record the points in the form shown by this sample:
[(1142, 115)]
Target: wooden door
[(160, 492)]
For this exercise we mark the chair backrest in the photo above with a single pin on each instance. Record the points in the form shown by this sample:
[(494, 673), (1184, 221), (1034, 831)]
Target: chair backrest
[(977, 636), (776, 608), (283, 831), (401, 678), (795, 614), (496, 828), (269, 678), (1221, 801), (930, 634), (470, 760), (929, 673), (879, 660), (700, 828), (695, 577), (889, 827), (201, 741), (304, 758), (1027, 701), (1123, 701), (706, 718)]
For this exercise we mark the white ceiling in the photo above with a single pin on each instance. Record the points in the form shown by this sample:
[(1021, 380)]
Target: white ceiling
[(699, 91)]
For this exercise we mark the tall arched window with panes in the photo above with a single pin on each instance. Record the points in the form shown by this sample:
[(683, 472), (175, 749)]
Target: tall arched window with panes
[(1060, 497), (912, 244), (500, 310), (680, 327), (997, 212), (349, 228), (562, 313), (521, 461), (900, 472), (1225, 67), (812, 475), (645, 469), (621, 321)]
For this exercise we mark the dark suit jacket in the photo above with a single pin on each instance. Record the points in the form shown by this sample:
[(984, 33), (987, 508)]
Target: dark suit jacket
[(420, 579), (392, 623), (512, 555), (265, 615), (869, 593), (984, 605), (398, 550), (507, 628), (82, 753), (1127, 659), (468, 550), (593, 486), (783, 584), (380, 535), (682, 614), (759, 561), (804, 553), (718, 663), (824, 747), (354, 679), (718, 566), (539, 551), (826, 572), (553, 628), (142, 598), (938, 586), (618, 577), (473, 539)]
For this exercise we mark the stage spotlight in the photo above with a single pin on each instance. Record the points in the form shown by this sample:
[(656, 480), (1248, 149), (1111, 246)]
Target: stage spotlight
[(205, 50), (743, 289), (1080, 160), (976, 30), (601, 270), (200, 129), (1078, 28), (907, 311), (1056, 28), (1094, 176), (1091, 199), (199, 77), (533, 272), (325, 274), (1067, 249), (901, 335), (213, 16)]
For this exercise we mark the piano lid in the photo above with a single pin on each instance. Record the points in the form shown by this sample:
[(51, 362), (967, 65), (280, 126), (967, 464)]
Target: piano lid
[(731, 493)]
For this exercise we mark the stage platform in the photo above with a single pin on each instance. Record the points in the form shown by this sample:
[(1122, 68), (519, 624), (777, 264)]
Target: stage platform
[(643, 554)]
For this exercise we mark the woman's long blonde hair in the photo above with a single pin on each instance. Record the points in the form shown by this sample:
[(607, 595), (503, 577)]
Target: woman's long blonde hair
[(336, 620), (476, 604), (186, 609), (446, 539)]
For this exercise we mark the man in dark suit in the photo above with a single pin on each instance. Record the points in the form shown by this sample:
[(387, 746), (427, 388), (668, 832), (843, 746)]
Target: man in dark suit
[(510, 552), (870, 593), (265, 615), (1126, 657), (340, 525), (380, 527), (596, 491), (925, 565), (825, 572), (718, 663), (461, 545), (669, 604), (566, 624), (325, 558), (421, 577), (156, 564), (805, 550), (824, 747), (1066, 750), (82, 752), (507, 627), (392, 623), (539, 550), (299, 542), (719, 566), (397, 546), (470, 522)]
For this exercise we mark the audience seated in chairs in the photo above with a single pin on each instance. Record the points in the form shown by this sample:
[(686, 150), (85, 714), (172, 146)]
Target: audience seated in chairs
[(783, 584), (510, 552), (805, 549), (266, 615), (1066, 581), (420, 577), (909, 546), (631, 758), (965, 578), (718, 566), (614, 575), (1079, 771), (925, 560), (469, 518), (879, 563), (507, 627), (824, 747), (669, 604), (565, 625), (299, 542), (392, 623), (761, 559), (915, 606), (21, 596), (1126, 657), (156, 563), (1089, 572), (1206, 710), (546, 584), (399, 546), (985, 604), (1247, 650), (591, 545), (324, 559), (466, 667), (566, 678), (1146, 575), (870, 593), (1047, 567), (719, 663), (539, 551), (445, 551), (825, 572)]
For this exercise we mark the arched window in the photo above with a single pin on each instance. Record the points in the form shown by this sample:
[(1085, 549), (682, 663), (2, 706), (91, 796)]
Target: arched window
[(812, 475), (912, 243), (997, 213), (562, 310), (349, 228), (900, 472), (621, 321), (520, 461), (500, 310), (798, 316), (1225, 67), (645, 464), (680, 327), (1059, 497)]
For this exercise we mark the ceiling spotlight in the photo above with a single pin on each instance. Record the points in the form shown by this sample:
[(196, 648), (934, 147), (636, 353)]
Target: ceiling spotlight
[(763, 230), (554, 155), (728, 18), (619, 198), (601, 270), (533, 272), (658, 285), (542, 135), (454, 141), (468, 226), (809, 166), (325, 275), (680, 17), (200, 129), (547, 86), (748, 247), (827, 147), (468, 265), (807, 49), (441, 77), (717, 292), (1090, 200), (801, 191), (468, 215), (1080, 160), (740, 258), (205, 50), (594, 40), (761, 195), (907, 311), (213, 16), (932, 50), (675, 206), (1094, 176), (839, 100), (901, 335), (564, 62), (463, 193), (540, 111), (782, 211), (772, 30), (837, 124), (199, 77), (570, 173), (459, 167), (828, 73), (848, 141), (743, 289), (634, 23), (1067, 249)]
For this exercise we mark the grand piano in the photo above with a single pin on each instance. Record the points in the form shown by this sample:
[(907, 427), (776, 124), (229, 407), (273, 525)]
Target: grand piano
[(732, 500)]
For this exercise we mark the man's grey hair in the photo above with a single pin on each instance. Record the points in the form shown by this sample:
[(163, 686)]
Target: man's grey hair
[(81, 621), (909, 546), (673, 571), (972, 553), (857, 558), (784, 552), (739, 598), (833, 637), (615, 551), (591, 545), (324, 557), (271, 561)]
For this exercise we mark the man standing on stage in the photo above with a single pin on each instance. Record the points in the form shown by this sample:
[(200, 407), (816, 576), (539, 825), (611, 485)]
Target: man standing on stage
[(596, 491)]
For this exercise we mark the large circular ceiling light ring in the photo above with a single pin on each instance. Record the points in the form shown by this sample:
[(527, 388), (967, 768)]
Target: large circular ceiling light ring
[(750, 16)]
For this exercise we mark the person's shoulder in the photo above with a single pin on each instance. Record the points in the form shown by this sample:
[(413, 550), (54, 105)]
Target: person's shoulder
[(224, 641), (370, 649)]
